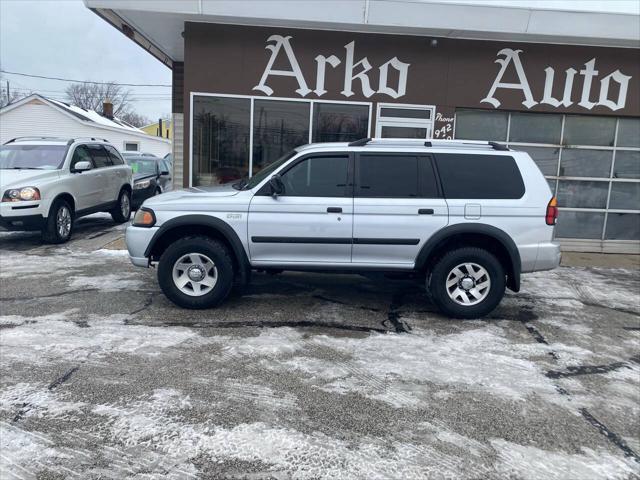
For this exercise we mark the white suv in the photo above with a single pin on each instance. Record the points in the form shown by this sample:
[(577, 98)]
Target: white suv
[(46, 183), (468, 217)]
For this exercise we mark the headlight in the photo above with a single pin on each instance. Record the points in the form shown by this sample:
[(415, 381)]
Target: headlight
[(141, 185), (21, 194), (144, 218)]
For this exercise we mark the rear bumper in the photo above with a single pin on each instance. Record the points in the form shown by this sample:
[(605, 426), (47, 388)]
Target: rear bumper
[(548, 256), (22, 223)]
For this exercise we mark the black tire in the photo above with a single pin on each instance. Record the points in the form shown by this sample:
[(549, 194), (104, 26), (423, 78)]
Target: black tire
[(52, 233), (437, 283), (119, 213), (214, 250)]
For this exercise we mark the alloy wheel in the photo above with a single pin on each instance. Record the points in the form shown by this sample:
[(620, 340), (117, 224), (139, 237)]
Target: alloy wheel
[(195, 274), (468, 284), (63, 221)]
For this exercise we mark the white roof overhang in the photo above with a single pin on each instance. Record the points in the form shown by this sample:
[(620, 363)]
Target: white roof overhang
[(158, 26)]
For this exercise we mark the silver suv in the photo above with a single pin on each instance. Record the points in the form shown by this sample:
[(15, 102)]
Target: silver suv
[(469, 217)]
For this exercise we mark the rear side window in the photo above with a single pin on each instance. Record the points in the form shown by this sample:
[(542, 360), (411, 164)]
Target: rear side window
[(114, 156), (395, 176), (100, 156), (479, 176)]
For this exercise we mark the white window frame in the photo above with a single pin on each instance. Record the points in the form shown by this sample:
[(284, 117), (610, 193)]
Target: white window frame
[(252, 99), (427, 124)]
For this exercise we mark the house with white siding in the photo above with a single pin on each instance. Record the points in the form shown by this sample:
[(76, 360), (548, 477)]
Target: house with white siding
[(37, 115)]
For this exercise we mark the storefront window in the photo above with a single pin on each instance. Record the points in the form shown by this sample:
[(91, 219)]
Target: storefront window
[(589, 130), (335, 122), (220, 139), (625, 195), (629, 132), (579, 194), (481, 125), (585, 163), (278, 127), (573, 224), (623, 226), (627, 164), (535, 128)]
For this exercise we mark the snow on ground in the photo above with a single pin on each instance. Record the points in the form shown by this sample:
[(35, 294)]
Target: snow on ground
[(109, 283), (530, 463), (47, 339)]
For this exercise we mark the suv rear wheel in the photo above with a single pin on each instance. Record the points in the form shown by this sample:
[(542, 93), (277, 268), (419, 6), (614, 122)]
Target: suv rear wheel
[(122, 211), (467, 283), (59, 224), (196, 272)]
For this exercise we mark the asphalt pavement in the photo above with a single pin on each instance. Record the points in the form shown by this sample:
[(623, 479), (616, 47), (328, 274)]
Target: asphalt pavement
[(308, 376)]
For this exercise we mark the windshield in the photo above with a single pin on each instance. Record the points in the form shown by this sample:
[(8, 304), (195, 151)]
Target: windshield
[(265, 172), (43, 157), (141, 165)]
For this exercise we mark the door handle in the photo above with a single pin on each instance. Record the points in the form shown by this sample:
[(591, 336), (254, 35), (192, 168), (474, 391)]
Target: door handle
[(334, 210), (425, 211)]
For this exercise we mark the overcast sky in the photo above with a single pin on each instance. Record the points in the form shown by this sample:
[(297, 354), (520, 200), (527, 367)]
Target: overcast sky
[(62, 38)]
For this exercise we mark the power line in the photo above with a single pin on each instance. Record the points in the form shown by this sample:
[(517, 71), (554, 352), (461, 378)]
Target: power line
[(85, 81)]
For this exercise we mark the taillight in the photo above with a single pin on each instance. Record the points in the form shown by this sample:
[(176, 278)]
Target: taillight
[(552, 212)]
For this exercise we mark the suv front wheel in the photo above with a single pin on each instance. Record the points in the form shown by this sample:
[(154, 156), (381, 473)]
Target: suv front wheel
[(196, 272), (467, 283), (59, 223)]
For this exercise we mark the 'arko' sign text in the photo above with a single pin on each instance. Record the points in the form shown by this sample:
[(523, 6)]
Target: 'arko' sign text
[(512, 57), (279, 43)]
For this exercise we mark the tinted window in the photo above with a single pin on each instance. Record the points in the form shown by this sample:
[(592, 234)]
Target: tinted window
[(395, 176), (81, 154), (114, 155), (317, 177), (334, 122), (479, 176), (99, 155)]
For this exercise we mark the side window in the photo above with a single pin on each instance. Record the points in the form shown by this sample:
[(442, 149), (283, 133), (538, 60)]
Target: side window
[(99, 155), (324, 176), (115, 157), (479, 176), (131, 146), (80, 154), (382, 175)]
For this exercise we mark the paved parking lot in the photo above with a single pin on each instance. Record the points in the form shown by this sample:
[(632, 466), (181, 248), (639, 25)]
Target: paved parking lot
[(309, 376)]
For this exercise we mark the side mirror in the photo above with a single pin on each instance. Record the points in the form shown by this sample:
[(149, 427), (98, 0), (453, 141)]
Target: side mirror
[(164, 173), (82, 166), (277, 187)]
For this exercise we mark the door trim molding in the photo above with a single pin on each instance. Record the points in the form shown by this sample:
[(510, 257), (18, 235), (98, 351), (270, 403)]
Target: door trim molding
[(337, 240)]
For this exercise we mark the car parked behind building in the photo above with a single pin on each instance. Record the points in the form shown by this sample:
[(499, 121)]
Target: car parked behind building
[(47, 183), (469, 217), (151, 177)]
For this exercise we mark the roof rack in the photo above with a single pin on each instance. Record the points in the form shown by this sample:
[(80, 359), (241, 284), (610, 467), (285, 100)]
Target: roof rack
[(93, 139), (427, 143), (33, 137)]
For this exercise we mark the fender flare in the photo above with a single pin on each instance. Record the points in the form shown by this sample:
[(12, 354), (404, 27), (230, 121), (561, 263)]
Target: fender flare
[(214, 223), (500, 236)]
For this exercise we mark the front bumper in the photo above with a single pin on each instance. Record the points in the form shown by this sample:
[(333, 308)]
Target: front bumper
[(139, 196), (137, 240), (22, 223), (549, 256)]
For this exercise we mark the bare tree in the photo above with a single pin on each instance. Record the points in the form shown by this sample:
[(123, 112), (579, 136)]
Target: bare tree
[(90, 96), (133, 118)]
